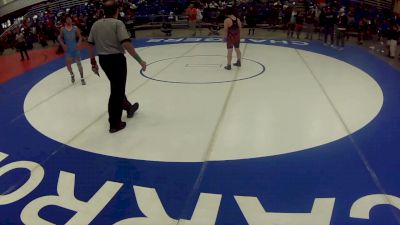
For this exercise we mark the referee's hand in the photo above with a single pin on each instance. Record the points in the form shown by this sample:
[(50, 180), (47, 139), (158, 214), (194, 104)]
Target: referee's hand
[(95, 70), (144, 65)]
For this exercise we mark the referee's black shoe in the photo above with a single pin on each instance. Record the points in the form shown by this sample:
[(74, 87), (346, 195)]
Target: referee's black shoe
[(117, 128), (132, 109)]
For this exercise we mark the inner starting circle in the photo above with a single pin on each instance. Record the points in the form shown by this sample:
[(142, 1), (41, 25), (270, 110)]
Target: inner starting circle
[(201, 69)]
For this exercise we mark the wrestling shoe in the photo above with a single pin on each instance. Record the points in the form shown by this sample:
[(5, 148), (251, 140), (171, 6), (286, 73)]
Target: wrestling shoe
[(132, 109), (238, 64), (72, 79)]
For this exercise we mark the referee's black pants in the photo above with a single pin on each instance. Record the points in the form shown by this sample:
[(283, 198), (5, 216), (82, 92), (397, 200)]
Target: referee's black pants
[(114, 66)]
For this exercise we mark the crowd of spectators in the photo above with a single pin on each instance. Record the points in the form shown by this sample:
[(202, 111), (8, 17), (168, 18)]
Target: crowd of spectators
[(310, 18)]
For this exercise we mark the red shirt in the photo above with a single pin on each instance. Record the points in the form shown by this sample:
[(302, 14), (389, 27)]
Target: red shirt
[(192, 14)]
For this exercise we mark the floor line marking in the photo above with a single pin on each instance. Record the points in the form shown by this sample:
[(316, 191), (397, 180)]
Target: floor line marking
[(67, 87), (56, 94), (202, 65), (131, 92), (364, 159), (207, 154), (63, 145)]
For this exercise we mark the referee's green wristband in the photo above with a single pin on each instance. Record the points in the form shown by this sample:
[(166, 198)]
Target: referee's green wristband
[(137, 58)]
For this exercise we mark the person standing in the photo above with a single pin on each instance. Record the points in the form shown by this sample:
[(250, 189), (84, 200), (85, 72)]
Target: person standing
[(299, 24), (70, 39), (321, 23), (251, 20), (191, 13), (310, 23), (292, 23), (393, 36), (199, 19), (1, 47), (341, 28), (232, 29), (362, 30), (329, 22), (21, 44), (110, 38)]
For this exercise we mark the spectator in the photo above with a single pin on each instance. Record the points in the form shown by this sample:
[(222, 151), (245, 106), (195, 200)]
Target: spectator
[(1, 47), (310, 23), (292, 23), (299, 24), (191, 13), (362, 30), (199, 18), (251, 20), (166, 27), (393, 36), (213, 5), (321, 23), (21, 44), (341, 28), (329, 24)]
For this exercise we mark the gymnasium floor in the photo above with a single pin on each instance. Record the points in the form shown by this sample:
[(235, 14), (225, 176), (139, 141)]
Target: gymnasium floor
[(301, 134)]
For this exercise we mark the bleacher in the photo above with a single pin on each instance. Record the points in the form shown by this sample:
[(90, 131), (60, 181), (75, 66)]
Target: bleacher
[(55, 6), (379, 4), (152, 14)]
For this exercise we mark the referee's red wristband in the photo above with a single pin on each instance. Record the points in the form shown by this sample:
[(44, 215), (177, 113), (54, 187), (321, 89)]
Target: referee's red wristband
[(93, 61)]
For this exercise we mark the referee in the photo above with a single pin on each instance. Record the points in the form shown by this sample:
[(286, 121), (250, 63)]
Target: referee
[(110, 37)]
